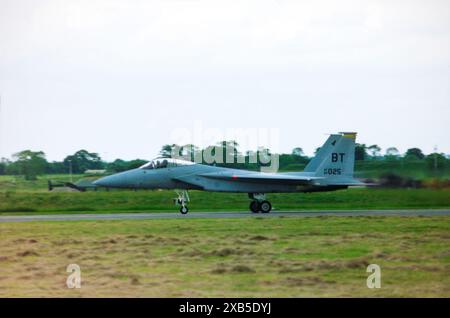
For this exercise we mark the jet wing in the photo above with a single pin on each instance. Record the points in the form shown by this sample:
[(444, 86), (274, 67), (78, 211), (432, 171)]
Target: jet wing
[(278, 178)]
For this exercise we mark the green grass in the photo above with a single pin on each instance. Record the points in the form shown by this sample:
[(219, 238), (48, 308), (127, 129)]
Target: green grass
[(141, 201), (257, 257), (20, 196)]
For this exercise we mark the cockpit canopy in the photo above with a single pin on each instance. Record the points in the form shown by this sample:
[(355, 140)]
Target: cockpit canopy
[(161, 162)]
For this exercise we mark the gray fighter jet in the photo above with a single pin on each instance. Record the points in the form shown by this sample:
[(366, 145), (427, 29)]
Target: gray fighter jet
[(331, 169)]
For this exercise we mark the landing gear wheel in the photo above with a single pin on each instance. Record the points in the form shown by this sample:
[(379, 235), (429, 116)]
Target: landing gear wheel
[(254, 206), (184, 209), (182, 199), (265, 206)]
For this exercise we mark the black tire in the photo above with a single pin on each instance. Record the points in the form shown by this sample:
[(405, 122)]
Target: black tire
[(184, 209), (265, 207), (254, 206)]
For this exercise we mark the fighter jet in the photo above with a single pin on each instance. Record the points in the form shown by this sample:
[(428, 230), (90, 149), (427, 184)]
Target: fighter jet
[(331, 169)]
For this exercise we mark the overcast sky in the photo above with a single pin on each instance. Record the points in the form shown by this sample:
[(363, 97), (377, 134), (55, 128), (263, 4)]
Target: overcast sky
[(119, 77)]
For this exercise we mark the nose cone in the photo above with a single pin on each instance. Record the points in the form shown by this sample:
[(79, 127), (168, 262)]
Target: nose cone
[(125, 179), (105, 181), (118, 180)]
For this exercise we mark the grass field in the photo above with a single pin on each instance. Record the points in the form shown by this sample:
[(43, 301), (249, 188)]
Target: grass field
[(255, 257), (258, 257), (142, 201), (20, 196)]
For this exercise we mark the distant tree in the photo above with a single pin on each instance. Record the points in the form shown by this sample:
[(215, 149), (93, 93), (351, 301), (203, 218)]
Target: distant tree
[(136, 163), (360, 152), (120, 165), (392, 154), (56, 167), (12, 169), (29, 164), (374, 150), (3, 165), (414, 153), (297, 152), (117, 165), (83, 160), (392, 151), (290, 161), (436, 161)]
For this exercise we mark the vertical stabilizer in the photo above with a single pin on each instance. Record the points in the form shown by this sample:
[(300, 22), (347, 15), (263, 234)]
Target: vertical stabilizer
[(336, 158), (323, 152)]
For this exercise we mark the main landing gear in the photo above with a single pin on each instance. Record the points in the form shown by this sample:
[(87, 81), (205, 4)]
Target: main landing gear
[(182, 200), (259, 203)]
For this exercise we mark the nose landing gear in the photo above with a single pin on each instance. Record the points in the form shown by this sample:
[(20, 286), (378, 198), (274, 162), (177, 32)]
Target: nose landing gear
[(259, 203), (182, 200)]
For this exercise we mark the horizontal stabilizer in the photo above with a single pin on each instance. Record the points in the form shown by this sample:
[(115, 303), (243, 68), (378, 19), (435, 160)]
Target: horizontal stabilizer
[(62, 184)]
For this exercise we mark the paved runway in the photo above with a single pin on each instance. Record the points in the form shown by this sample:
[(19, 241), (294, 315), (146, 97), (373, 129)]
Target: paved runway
[(218, 215)]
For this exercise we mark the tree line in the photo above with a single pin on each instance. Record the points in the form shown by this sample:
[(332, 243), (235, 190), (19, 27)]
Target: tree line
[(30, 163)]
